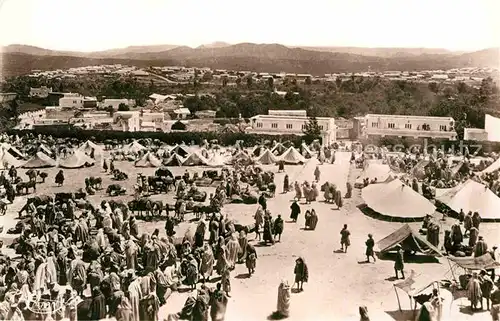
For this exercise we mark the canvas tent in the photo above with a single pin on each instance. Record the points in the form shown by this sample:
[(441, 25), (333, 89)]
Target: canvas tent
[(419, 170), (7, 159), (258, 150), (195, 159), (77, 160), (148, 160), (278, 149), (89, 146), (134, 147), (372, 170), (292, 156), (475, 197), (409, 241), (493, 167), (13, 151), (483, 262), (241, 156), (266, 158), (181, 150), (217, 160), (397, 200), (306, 152), (419, 288), (45, 150), (40, 160), (174, 160)]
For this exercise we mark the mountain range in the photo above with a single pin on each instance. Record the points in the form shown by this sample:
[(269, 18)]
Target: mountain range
[(21, 59)]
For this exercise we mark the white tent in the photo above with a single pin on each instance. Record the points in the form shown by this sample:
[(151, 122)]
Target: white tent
[(195, 159), (217, 160), (266, 158), (40, 160), (278, 149), (397, 200), (493, 167), (292, 156), (174, 160), (7, 159), (148, 160), (90, 146), (77, 160), (134, 147), (241, 155), (475, 197), (374, 170), (306, 152)]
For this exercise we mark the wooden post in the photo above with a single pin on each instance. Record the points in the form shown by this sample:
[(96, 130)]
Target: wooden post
[(451, 270), (397, 297)]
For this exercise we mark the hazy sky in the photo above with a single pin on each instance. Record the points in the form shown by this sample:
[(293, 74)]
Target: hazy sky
[(90, 25)]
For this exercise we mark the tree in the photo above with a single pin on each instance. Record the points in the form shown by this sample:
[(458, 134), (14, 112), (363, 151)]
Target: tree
[(312, 130), (308, 81), (178, 125), (249, 81), (270, 82), (207, 76), (434, 87), (110, 110), (224, 81), (123, 107)]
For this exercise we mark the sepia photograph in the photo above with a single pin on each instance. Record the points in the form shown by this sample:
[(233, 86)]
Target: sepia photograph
[(211, 160)]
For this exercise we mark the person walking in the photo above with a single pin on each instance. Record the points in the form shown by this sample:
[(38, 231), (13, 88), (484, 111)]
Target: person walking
[(344, 239), (399, 263), (370, 243)]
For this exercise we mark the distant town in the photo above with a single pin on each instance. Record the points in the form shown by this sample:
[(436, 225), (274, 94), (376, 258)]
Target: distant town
[(165, 113)]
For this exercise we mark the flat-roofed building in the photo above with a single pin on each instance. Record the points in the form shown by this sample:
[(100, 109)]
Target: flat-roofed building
[(292, 122), (41, 92), (377, 125)]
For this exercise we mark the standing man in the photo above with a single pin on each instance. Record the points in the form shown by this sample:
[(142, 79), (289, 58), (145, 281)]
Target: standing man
[(399, 263), (344, 239), (370, 243)]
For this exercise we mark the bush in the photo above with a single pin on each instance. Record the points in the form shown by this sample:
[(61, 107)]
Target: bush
[(178, 125), (225, 139)]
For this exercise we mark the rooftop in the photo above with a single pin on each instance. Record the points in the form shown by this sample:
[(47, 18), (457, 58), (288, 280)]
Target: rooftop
[(408, 117)]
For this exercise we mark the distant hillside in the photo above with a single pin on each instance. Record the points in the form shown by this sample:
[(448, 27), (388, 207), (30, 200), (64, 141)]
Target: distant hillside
[(385, 52), (246, 56), (217, 44), (14, 64)]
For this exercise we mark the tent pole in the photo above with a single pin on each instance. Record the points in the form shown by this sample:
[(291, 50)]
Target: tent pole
[(397, 297), (451, 270)]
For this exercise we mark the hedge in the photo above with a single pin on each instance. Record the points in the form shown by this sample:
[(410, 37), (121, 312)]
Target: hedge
[(171, 138), (397, 143)]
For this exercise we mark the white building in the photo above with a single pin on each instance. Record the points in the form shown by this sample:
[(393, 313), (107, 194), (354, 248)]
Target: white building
[(130, 121), (292, 122), (7, 97), (42, 92), (182, 113), (71, 100), (409, 126), (116, 102)]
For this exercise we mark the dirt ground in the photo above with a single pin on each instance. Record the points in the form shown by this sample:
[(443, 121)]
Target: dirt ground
[(338, 282)]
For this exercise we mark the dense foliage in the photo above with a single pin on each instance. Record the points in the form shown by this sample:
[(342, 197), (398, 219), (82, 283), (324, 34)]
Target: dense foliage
[(172, 138), (355, 96)]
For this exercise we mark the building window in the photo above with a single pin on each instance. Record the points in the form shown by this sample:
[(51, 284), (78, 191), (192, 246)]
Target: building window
[(442, 128), (274, 125), (374, 125), (289, 126), (304, 126), (408, 126), (321, 127), (391, 125), (259, 125)]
